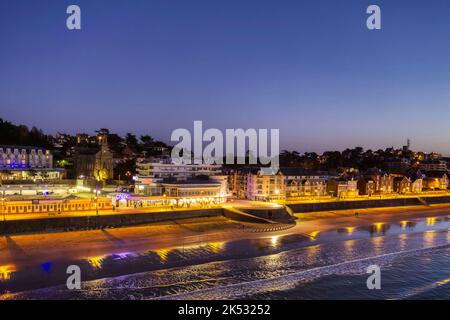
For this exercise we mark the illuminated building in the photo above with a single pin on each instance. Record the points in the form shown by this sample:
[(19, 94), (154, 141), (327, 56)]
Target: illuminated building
[(27, 163), (251, 183), (343, 187), (417, 185), (366, 186), (180, 193), (205, 190), (151, 174), (301, 182), (237, 181), (305, 188), (416, 178), (402, 184), (35, 189), (18, 157), (384, 182), (288, 182), (436, 180), (53, 205), (95, 163)]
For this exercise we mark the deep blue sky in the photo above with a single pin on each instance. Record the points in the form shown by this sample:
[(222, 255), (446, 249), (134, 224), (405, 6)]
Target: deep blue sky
[(310, 68)]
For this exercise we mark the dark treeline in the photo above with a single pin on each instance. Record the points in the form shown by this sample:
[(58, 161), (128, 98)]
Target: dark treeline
[(11, 134), (349, 158), (21, 135), (65, 146), (130, 146)]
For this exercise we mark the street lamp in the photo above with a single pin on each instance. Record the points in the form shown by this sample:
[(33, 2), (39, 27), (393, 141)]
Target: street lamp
[(3, 209), (96, 195), (99, 170)]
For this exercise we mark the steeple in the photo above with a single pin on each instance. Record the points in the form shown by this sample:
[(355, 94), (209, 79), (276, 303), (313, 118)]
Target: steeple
[(103, 139)]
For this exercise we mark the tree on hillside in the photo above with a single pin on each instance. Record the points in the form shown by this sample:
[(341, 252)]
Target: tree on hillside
[(147, 140), (11, 134), (131, 141)]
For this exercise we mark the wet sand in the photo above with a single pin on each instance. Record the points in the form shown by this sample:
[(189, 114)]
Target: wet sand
[(23, 250), (240, 260)]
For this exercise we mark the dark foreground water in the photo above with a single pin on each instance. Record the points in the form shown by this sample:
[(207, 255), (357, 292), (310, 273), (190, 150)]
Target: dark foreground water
[(423, 275), (414, 258)]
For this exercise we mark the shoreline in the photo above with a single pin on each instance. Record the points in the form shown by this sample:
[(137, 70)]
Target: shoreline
[(196, 242), (23, 249)]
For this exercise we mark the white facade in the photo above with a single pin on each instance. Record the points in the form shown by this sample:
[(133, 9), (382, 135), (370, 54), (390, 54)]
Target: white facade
[(223, 181), (152, 173), (35, 189), (25, 158), (265, 187)]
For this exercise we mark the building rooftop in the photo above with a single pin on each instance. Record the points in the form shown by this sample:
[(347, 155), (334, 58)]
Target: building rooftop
[(21, 147)]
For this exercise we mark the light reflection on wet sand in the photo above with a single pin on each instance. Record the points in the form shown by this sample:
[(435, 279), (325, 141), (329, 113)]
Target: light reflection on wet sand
[(266, 257), (6, 271)]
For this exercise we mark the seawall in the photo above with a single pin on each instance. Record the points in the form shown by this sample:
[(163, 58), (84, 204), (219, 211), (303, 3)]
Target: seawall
[(52, 224), (364, 204), (276, 214), (101, 221)]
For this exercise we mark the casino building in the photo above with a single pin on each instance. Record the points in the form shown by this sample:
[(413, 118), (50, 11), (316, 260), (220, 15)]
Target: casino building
[(161, 182), (152, 174)]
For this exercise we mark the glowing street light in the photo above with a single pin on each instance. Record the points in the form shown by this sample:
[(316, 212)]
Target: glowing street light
[(3, 209), (96, 194)]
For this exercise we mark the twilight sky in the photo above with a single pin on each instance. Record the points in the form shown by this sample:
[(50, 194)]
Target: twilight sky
[(308, 67)]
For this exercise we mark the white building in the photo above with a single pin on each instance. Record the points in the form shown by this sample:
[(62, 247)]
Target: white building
[(15, 157), (193, 191), (265, 187), (36, 189), (151, 174), (27, 163)]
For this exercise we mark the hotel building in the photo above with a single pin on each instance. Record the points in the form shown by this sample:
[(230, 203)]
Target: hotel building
[(343, 188), (302, 183), (287, 184), (252, 184), (27, 163)]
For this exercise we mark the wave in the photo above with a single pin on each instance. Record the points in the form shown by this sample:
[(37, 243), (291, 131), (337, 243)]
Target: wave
[(424, 289), (247, 277), (290, 281)]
